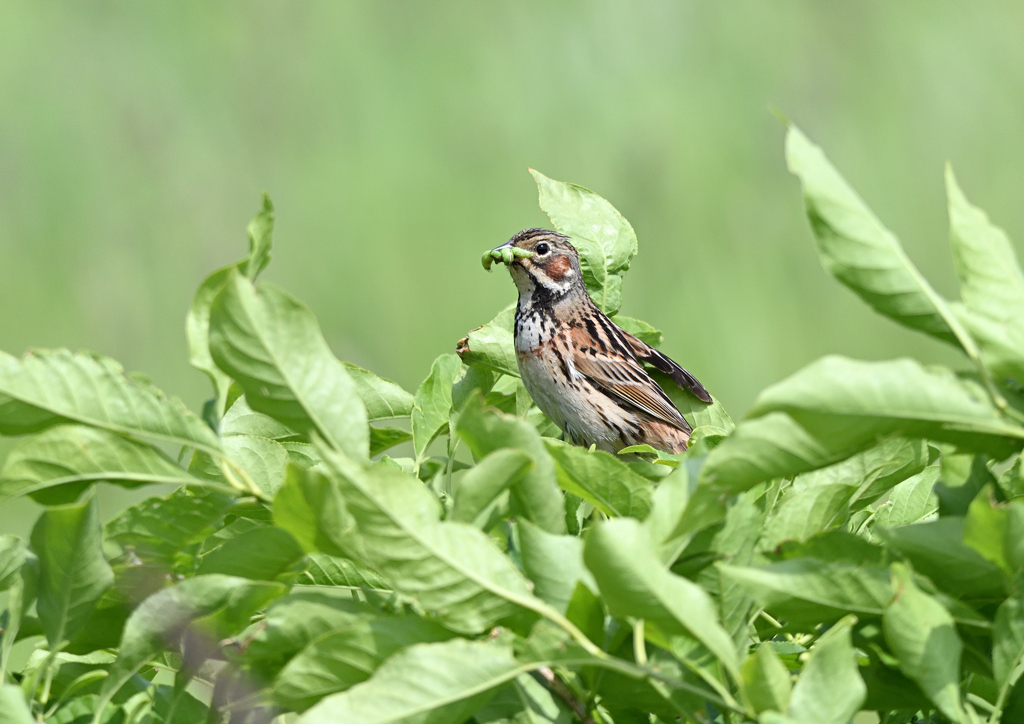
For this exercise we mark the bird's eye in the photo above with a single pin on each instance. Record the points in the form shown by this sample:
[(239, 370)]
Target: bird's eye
[(542, 249)]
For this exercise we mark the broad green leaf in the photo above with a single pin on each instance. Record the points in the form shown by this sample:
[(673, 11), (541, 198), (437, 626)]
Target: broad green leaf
[(264, 460), (13, 707), (240, 419), (163, 617), (525, 701), (48, 387), (986, 529), (261, 237), (266, 553), (605, 240), (736, 543), (991, 284), (874, 471), (433, 403), (73, 573), (325, 570), (440, 683), (271, 344), (554, 563), (602, 480), (677, 513), (1008, 640), (197, 329), (830, 689), (640, 329), (452, 570), (65, 460), (383, 398), (937, 550), (868, 400), (536, 497), (385, 438), (21, 596), (485, 482), (910, 501), (807, 591), (310, 507), (805, 512), (490, 347), (347, 656), (297, 619), (623, 559), (922, 635), (766, 684), (12, 558), (858, 250)]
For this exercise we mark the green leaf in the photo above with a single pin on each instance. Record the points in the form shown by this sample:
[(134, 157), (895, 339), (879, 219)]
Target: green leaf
[(910, 501), (991, 284), (12, 558), (936, 549), (622, 557), (346, 656), (986, 529), (874, 471), (163, 617), (295, 620), (484, 484), (325, 570), (13, 708), (490, 347), (602, 480), (240, 419), (385, 438), (261, 236), (48, 387), (805, 512), (278, 555), (605, 240), (391, 524), (197, 329), (440, 683), (858, 250), (829, 690), (868, 400), (1008, 640), (923, 636), (806, 592), (264, 460), (383, 398), (65, 460), (766, 684), (697, 413), (837, 407), (554, 563), (73, 573), (433, 403), (310, 508), (271, 344), (536, 497)]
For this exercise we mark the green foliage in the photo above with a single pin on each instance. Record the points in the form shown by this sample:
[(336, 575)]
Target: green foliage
[(855, 543)]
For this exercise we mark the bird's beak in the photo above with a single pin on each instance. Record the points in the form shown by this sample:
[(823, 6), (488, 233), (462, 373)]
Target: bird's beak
[(504, 254)]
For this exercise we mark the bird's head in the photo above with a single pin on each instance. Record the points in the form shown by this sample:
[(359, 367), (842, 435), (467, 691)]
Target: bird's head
[(539, 259)]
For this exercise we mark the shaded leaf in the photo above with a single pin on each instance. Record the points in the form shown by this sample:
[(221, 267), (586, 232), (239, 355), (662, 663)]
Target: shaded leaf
[(923, 636), (385, 438), (554, 563), (383, 398), (73, 573), (325, 570), (829, 690), (263, 554), (910, 501), (766, 684), (806, 512), (12, 558), (484, 483)]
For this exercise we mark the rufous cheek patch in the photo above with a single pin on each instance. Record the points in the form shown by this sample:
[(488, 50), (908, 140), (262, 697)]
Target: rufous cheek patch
[(558, 268)]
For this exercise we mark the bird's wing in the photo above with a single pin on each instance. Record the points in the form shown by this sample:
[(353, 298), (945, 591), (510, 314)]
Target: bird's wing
[(609, 363), (666, 364)]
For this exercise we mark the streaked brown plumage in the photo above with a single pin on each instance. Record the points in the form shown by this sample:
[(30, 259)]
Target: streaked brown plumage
[(582, 370)]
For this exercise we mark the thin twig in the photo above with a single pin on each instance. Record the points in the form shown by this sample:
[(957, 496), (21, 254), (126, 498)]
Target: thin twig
[(547, 676)]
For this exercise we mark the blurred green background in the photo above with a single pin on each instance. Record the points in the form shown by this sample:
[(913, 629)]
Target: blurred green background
[(394, 138)]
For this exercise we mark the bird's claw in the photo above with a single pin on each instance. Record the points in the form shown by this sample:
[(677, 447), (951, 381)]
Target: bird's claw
[(504, 255)]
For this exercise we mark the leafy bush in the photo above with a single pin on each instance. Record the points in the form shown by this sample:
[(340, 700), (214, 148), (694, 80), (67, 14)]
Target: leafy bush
[(855, 543)]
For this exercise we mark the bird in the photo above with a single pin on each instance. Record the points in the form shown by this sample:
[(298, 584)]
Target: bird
[(582, 370)]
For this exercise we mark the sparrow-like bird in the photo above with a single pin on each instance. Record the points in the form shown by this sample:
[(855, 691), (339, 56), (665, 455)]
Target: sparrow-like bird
[(581, 369)]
